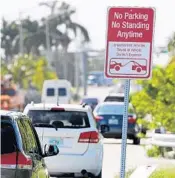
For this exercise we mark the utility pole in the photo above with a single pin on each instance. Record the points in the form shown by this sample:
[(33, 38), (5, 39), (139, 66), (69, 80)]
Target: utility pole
[(47, 30), (84, 58), (48, 50), (47, 36), (21, 45), (77, 72)]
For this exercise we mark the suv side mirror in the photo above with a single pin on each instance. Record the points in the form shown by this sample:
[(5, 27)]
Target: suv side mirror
[(104, 128), (50, 150)]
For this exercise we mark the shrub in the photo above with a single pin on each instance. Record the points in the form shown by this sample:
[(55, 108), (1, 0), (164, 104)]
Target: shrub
[(154, 151), (164, 173)]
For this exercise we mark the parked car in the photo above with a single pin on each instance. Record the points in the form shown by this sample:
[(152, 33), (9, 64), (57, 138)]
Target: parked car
[(21, 153), (91, 101), (97, 78), (55, 91), (109, 118), (73, 129), (115, 97)]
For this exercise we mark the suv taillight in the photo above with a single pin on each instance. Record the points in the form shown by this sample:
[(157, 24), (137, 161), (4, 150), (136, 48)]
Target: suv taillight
[(98, 118), (131, 120), (9, 161), (24, 162), (89, 137)]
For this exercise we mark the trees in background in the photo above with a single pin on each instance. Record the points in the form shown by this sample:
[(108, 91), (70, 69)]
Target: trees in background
[(34, 33), (158, 96), (171, 44), (28, 71)]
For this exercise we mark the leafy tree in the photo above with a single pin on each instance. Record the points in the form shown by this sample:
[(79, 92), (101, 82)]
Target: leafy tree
[(63, 17), (171, 43), (33, 37), (34, 31), (9, 31), (158, 95), (27, 69), (42, 73), (157, 98)]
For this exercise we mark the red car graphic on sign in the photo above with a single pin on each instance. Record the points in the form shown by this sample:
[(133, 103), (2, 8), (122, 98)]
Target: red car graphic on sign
[(135, 66)]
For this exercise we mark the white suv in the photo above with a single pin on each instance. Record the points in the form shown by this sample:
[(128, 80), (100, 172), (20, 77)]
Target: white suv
[(73, 129)]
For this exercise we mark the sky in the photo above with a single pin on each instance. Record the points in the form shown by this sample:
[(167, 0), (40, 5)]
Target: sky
[(92, 15)]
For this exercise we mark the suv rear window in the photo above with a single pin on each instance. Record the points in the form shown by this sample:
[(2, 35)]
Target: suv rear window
[(60, 119), (8, 138), (114, 98), (62, 92), (110, 109), (50, 92)]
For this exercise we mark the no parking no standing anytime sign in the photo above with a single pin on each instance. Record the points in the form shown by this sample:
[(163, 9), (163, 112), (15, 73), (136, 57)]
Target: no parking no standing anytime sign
[(129, 43)]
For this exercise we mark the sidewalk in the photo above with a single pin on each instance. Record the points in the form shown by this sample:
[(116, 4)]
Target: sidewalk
[(146, 171)]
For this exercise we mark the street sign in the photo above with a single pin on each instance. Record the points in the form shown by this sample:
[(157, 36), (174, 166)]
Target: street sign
[(129, 43), (128, 54)]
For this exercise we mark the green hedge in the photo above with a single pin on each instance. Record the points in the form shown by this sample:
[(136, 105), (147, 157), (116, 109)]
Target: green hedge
[(164, 173)]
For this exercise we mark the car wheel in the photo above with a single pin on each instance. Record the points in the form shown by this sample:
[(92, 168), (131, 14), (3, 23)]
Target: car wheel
[(136, 141), (138, 69), (100, 175), (117, 68)]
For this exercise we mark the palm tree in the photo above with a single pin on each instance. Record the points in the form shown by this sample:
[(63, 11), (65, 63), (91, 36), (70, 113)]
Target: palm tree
[(34, 34), (51, 4), (9, 31), (63, 17)]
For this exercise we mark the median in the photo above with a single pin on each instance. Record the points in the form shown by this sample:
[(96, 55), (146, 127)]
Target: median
[(160, 172), (164, 173)]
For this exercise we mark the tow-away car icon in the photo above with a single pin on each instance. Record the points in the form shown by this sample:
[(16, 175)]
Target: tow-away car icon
[(135, 66)]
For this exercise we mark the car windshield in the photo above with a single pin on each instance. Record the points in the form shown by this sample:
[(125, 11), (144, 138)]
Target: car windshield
[(110, 109), (60, 119)]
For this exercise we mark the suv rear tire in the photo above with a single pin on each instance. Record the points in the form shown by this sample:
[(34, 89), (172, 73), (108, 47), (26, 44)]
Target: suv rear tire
[(136, 141)]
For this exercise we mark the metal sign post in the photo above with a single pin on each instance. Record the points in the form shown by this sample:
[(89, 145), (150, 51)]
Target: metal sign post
[(129, 44), (124, 129)]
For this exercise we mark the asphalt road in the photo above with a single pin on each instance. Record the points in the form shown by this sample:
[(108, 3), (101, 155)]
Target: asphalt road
[(135, 157), (99, 92), (112, 148)]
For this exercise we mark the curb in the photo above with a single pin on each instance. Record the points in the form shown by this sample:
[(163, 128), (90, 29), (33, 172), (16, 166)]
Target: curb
[(143, 171)]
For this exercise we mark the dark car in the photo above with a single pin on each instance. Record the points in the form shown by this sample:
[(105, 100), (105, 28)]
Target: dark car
[(112, 97), (21, 153), (91, 101), (109, 118)]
